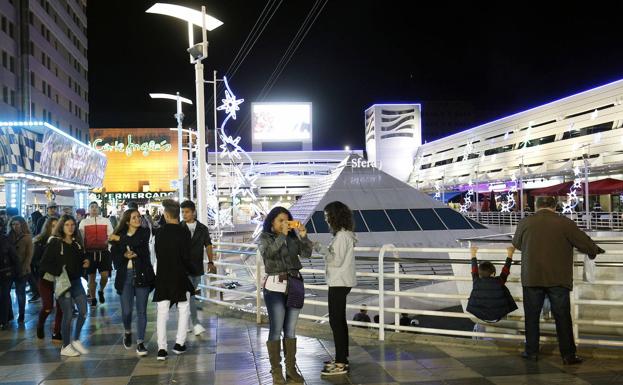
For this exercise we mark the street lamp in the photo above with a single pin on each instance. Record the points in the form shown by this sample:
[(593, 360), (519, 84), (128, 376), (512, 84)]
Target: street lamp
[(180, 158), (197, 54)]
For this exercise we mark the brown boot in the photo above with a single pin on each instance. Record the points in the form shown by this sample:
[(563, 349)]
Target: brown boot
[(289, 350), (274, 355)]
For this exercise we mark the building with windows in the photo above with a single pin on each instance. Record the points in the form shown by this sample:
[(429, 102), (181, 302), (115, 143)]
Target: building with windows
[(44, 71)]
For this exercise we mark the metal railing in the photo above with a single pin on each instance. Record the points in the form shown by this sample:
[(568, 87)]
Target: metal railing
[(251, 301), (599, 220)]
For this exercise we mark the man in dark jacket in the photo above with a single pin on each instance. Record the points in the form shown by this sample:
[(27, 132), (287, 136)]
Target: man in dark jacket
[(199, 245), (546, 241), (52, 213), (172, 284)]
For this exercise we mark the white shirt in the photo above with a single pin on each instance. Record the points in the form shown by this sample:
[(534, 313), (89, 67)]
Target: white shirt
[(192, 227)]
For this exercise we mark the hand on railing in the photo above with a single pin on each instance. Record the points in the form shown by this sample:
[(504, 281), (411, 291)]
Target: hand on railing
[(509, 252), (473, 251)]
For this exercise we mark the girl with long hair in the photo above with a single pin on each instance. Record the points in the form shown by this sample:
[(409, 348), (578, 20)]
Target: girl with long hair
[(64, 259), (46, 282), (340, 275), (19, 236), (281, 244), (135, 274)]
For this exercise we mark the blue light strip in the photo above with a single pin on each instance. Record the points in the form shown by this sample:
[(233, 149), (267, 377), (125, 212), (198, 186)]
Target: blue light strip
[(51, 127)]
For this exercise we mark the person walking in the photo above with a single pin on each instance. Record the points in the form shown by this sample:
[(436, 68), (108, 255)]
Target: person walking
[(64, 259), (135, 275), (339, 258), (200, 245), (173, 266), (20, 237), (281, 247), (46, 283), (95, 231), (8, 271), (546, 241), (52, 212)]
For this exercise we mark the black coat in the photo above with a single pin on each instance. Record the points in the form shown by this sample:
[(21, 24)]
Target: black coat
[(59, 253), (174, 266), (490, 299), (139, 243), (8, 259), (199, 241)]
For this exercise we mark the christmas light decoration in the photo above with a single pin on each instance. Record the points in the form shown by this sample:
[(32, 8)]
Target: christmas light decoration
[(568, 207), (467, 201)]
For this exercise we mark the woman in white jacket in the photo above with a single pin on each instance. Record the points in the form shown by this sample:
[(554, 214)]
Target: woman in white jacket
[(340, 275)]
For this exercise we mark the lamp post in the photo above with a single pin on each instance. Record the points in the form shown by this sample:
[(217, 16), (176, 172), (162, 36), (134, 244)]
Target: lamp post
[(190, 149), (197, 53), (180, 157)]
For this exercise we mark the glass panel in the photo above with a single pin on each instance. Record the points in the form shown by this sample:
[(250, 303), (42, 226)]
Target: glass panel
[(360, 225), (319, 222), (475, 224), (309, 227), (427, 219), (402, 220), (453, 219), (377, 220)]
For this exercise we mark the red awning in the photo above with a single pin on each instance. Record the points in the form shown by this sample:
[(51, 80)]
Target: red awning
[(605, 186), (555, 190), (598, 187)]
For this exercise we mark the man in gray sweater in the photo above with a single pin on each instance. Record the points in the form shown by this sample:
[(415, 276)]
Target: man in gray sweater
[(546, 241)]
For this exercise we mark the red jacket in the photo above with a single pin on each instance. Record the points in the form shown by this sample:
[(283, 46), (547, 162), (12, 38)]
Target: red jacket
[(95, 233)]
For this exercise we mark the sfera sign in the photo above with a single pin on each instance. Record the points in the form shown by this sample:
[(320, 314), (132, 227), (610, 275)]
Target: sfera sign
[(362, 163), (137, 195), (129, 147)]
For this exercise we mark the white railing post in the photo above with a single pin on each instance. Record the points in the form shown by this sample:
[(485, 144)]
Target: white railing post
[(258, 288), (575, 310), (382, 291), (396, 289)]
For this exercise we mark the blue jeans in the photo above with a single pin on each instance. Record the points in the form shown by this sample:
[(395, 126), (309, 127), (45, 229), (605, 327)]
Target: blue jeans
[(281, 318), (75, 295), (127, 302), (20, 293), (192, 301)]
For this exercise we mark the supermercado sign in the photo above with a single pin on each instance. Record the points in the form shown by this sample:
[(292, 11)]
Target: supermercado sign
[(129, 147), (137, 195)]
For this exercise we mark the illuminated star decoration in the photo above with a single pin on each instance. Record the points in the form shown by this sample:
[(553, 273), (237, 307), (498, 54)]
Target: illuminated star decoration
[(510, 198), (438, 191), (572, 196), (467, 204), (230, 104)]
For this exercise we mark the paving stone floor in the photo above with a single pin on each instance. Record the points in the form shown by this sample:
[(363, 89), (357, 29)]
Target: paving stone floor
[(232, 351)]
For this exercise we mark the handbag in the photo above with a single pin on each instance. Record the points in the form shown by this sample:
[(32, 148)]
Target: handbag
[(276, 283), (296, 292), (63, 284)]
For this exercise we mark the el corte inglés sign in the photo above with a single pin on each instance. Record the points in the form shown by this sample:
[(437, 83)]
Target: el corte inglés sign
[(129, 147)]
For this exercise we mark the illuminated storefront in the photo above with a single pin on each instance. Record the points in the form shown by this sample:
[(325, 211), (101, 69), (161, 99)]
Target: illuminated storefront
[(142, 163)]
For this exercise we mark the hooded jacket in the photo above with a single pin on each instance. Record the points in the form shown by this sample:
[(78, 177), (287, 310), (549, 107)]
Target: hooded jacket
[(339, 259), (95, 233)]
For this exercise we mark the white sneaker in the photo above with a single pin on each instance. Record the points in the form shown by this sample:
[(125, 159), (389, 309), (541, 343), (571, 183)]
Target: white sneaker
[(198, 329), (79, 347), (69, 351)]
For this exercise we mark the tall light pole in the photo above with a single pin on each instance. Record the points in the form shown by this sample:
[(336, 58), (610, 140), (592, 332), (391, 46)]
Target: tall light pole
[(180, 157), (197, 53)]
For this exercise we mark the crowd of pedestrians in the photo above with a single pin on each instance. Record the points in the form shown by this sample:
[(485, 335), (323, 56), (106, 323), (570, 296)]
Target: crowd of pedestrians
[(65, 250)]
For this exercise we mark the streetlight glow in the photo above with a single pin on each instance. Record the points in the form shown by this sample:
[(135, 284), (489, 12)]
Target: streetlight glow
[(187, 14)]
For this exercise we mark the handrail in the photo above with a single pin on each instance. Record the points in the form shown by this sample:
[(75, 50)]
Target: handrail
[(382, 290)]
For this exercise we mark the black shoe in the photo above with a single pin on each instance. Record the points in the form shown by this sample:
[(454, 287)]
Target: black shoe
[(572, 360), (141, 350), (57, 337), (127, 340), (179, 349), (20, 319), (40, 332), (93, 301), (162, 355), (529, 356), (34, 298), (101, 295)]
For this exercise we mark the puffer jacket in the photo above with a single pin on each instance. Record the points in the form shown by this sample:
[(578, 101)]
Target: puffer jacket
[(281, 253), (490, 299)]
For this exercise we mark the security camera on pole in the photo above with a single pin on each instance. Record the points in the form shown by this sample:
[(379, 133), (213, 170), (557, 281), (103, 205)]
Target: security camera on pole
[(197, 52)]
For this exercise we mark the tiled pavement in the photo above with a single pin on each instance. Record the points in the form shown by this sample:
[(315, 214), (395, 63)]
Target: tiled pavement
[(232, 352)]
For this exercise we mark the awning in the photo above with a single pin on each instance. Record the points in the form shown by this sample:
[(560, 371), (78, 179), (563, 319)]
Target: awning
[(555, 190)]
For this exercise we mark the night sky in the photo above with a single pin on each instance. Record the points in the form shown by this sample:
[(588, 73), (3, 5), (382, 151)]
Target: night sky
[(490, 58)]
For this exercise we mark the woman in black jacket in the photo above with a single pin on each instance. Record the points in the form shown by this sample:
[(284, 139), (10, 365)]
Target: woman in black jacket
[(8, 270), (46, 282), (65, 251), (135, 274)]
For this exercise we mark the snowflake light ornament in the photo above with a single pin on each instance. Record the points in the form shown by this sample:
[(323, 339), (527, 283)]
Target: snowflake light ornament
[(510, 198), (467, 204), (230, 103), (572, 196)]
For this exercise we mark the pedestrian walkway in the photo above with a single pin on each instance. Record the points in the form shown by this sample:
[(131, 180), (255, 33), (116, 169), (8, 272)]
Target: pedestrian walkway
[(232, 351)]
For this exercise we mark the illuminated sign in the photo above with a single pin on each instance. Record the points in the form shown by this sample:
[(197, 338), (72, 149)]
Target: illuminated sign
[(137, 195), (130, 147), (362, 163), (279, 122)]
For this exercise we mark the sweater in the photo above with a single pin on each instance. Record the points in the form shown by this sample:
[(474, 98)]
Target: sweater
[(546, 241)]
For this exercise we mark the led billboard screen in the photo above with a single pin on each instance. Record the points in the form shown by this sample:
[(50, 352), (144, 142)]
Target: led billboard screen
[(281, 122)]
